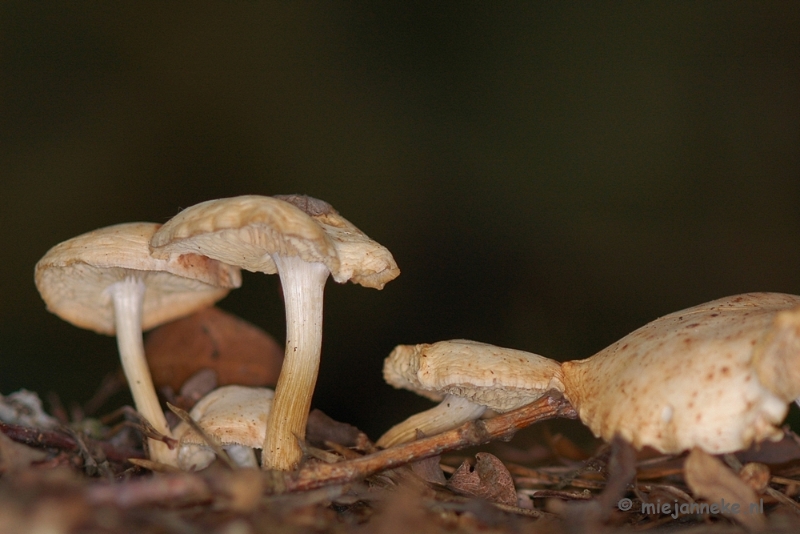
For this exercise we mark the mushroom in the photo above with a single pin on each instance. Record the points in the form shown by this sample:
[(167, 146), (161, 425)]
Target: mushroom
[(466, 378), (304, 240), (236, 416), (717, 376), (106, 281)]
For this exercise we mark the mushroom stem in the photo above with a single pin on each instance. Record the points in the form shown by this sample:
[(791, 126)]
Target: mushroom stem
[(448, 414), (303, 287), (242, 455), (128, 297)]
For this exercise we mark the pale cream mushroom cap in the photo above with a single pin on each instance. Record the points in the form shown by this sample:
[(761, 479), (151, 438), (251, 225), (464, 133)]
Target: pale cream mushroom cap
[(72, 278), (466, 378), (361, 260), (235, 416), (247, 230), (695, 377), (499, 378)]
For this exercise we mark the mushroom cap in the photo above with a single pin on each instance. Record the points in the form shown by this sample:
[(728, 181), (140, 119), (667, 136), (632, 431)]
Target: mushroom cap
[(499, 378), (690, 378), (73, 277), (247, 230), (361, 260), (235, 415)]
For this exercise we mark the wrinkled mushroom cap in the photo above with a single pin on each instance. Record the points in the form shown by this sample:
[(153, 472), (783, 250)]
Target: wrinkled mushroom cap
[(690, 378), (73, 278), (361, 260), (499, 378), (235, 415), (247, 230)]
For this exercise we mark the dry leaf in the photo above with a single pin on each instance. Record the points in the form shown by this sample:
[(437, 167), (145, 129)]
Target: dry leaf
[(724, 491), (429, 470), (321, 428), (564, 447), (489, 479), (772, 452), (199, 384), (239, 352), (589, 516)]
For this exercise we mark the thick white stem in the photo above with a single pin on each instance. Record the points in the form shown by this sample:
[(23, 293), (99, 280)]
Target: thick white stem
[(448, 414), (128, 297), (303, 287)]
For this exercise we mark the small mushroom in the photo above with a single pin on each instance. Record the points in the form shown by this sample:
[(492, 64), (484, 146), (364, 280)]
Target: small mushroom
[(718, 376), (304, 240), (234, 415), (106, 281), (466, 378)]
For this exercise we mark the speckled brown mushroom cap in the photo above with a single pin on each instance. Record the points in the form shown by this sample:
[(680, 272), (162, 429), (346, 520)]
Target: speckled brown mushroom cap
[(73, 277), (691, 378), (499, 378)]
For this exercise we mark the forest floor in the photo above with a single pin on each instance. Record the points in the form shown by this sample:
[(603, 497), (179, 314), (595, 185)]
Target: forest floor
[(89, 477)]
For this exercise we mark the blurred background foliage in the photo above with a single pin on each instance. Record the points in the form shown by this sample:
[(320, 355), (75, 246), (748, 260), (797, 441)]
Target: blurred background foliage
[(549, 176)]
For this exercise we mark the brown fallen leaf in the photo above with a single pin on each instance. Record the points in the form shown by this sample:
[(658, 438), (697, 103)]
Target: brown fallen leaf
[(489, 480), (321, 428), (429, 470), (238, 351), (772, 452), (193, 389), (564, 447), (727, 494), (590, 516)]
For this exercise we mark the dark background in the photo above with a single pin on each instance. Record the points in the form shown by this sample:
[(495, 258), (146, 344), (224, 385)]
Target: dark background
[(548, 176)]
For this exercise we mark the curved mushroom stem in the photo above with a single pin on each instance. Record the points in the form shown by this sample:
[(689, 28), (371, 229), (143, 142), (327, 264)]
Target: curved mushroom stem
[(303, 287), (448, 414), (128, 297)]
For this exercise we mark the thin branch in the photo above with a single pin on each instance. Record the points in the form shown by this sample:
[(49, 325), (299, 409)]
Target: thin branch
[(477, 432), (50, 439)]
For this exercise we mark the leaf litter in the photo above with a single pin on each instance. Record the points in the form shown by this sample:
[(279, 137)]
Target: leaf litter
[(60, 478)]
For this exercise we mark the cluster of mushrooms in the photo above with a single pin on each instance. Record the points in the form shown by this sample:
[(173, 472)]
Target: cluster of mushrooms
[(718, 376)]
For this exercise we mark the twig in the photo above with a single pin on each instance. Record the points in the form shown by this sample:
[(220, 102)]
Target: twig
[(210, 440), (469, 434), (195, 487), (36, 437)]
